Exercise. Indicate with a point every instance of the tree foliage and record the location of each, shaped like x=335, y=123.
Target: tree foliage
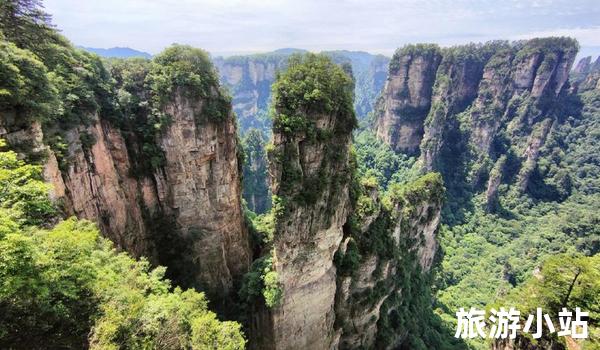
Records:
x=312, y=85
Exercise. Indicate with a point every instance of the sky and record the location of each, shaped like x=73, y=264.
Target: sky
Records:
x=225, y=27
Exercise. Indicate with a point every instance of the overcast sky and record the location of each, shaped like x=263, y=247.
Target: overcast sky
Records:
x=242, y=26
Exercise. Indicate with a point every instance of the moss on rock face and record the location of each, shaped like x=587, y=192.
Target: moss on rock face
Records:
x=144, y=89
x=427, y=51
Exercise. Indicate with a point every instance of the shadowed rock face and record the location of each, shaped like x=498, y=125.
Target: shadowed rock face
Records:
x=367, y=296
x=186, y=214
x=498, y=97
x=586, y=75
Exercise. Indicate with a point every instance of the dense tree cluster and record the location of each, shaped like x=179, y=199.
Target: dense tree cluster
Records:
x=312, y=85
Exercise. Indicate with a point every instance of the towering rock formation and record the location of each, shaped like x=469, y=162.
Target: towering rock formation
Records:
x=249, y=80
x=169, y=192
x=342, y=257
x=406, y=97
x=498, y=97
x=455, y=88
x=310, y=174
x=584, y=67
x=585, y=74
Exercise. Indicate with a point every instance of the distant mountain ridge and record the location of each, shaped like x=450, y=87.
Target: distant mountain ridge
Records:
x=118, y=52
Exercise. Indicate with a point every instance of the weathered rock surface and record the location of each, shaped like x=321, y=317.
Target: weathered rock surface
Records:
x=456, y=86
x=496, y=98
x=186, y=215
x=249, y=79
x=368, y=295
x=406, y=97
x=308, y=237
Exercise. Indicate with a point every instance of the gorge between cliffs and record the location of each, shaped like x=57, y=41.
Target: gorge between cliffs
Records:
x=352, y=217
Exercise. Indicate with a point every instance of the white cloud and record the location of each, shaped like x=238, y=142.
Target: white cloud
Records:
x=261, y=25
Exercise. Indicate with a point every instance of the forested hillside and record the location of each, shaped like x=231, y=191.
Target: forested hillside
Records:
x=516, y=145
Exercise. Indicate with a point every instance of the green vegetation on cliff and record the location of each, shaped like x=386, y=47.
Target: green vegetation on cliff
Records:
x=66, y=287
x=182, y=69
x=488, y=254
x=50, y=81
x=312, y=85
x=256, y=191
x=406, y=316
x=312, y=88
x=519, y=161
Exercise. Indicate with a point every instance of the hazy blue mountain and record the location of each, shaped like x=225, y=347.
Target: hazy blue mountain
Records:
x=288, y=51
x=118, y=52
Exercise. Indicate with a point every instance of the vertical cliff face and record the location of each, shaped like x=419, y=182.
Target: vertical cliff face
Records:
x=496, y=99
x=585, y=75
x=515, y=103
x=455, y=88
x=199, y=187
x=162, y=181
x=386, y=244
x=406, y=98
x=584, y=67
x=249, y=80
x=310, y=175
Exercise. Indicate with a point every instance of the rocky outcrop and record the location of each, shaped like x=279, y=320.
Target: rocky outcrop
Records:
x=386, y=247
x=342, y=256
x=586, y=75
x=480, y=103
x=199, y=186
x=308, y=235
x=249, y=79
x=310, y=176
x=584, y=67
x=406, y=98
x=455, y=88
x=185, y=214
x=513, y=109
